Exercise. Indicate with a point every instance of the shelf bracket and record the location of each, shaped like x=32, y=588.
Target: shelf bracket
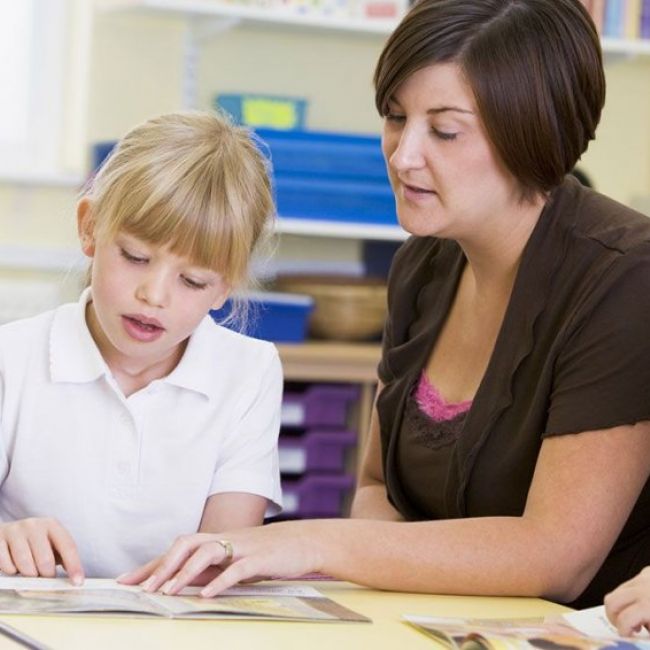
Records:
x=197, y=31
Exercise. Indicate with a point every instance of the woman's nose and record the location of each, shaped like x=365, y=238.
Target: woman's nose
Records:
x=407, y=153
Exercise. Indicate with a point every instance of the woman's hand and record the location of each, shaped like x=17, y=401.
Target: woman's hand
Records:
x=33, y=547
x=628, y=606
x=286, y=550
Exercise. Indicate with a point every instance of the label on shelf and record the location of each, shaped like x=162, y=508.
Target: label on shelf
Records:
x=293, y=461
x=292, y=414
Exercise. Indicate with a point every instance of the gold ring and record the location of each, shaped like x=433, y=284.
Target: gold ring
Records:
x=227, y=549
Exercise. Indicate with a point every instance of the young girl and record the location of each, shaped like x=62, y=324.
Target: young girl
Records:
x=131, y=418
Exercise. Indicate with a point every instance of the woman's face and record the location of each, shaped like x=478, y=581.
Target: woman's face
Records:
x=447, y=179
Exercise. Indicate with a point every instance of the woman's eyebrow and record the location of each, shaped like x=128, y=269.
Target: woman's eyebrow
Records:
x=444, y=109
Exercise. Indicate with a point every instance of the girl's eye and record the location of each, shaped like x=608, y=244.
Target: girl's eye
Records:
x=194, y=284
x=443, y=135
x=136, y=259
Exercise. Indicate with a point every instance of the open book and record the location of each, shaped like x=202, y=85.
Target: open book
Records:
x=582, y=630
x=98, y=596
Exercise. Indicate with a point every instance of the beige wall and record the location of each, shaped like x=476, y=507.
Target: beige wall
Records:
x=136, y=71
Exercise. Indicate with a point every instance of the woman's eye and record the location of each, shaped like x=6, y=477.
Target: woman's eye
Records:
x=194, y=284
x=444, y=135
x=394, y=117
x=129, y=257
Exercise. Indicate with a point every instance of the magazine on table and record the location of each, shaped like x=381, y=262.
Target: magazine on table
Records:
x=580, y=630
x=21, y=595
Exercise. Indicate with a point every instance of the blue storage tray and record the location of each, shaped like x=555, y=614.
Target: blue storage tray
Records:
x=277, y=317
x=325, y=155
x=335, y=200
x=100, y=151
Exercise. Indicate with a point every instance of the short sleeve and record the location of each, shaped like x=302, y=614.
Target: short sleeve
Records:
x=4, y=460
x=249, y=457
x=602, y=375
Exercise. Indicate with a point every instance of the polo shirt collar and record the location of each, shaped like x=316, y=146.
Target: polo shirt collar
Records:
x=74, y=355
x=195, y=370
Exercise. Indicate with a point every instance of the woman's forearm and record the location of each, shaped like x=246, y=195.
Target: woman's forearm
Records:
x=481, y=556
x=371, y=502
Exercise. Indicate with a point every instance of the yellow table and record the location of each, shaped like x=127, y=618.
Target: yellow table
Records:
x=384, y=608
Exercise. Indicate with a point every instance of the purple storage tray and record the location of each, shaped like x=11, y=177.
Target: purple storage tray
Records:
x=316, y=495
x=320, y=405
x=321, y=451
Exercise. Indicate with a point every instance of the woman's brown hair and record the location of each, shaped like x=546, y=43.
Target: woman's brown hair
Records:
x=534, y=66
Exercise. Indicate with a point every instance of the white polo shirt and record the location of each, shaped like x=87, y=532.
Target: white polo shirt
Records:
x=126, y=476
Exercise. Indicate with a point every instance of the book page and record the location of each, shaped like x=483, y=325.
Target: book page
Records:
x=287, y=602
x=275, y=601
x=515, y=634
x=594, y=622
x=79, y=600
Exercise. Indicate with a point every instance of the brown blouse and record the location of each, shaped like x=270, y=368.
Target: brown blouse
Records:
x=573, y=354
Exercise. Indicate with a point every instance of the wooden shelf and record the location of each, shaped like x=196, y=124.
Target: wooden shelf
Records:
x=330, y=361
x=337, y=362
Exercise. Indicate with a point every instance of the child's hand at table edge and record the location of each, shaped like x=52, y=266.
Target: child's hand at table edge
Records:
x=33, y=547
x=628, y=606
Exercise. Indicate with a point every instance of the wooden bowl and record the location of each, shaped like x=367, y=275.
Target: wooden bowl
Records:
x=345, y=308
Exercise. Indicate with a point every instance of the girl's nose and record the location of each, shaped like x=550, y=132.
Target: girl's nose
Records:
x=154, y=290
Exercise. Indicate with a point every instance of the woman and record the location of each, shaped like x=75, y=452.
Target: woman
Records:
x=513, y=387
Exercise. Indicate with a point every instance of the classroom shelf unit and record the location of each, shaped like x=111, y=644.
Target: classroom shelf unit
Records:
x=325, y=361
x=229, y=15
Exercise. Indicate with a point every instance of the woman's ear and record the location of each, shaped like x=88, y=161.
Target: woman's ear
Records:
x=86, y=227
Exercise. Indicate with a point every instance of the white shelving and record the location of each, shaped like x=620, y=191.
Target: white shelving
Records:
x=344, y=229
x=28, y=179
x=233, y=14
x=241, y=14
x=626, y=47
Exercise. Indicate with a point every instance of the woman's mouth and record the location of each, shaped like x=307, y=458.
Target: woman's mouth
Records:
x=413, y=192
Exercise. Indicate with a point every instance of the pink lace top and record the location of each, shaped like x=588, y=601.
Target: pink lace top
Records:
x=434, y=405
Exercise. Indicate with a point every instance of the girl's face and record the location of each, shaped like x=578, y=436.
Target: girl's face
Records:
x=146, y=301
x=447, y=180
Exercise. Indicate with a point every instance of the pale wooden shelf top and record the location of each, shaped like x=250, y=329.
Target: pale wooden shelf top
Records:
x=330, y=361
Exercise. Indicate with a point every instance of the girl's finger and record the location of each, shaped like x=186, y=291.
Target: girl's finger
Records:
x=21, y=555
x=43, y=555
x=63, y=544
x=6, y=564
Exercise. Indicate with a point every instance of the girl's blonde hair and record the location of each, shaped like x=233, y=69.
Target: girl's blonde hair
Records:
x=192, y=181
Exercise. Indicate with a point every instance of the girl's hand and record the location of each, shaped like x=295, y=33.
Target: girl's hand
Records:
x=284, y=550
x=33, y=547
x=628, y=606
